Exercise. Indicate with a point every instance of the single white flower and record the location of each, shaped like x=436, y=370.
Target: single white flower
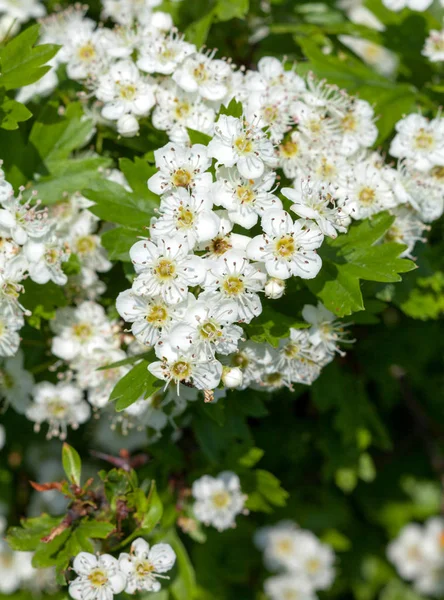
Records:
x=45, y=258
x=99, y=578
x=383, y=60
x=287, y=248
x=145, y=565
x=166, y=268
x=163, y=54
x=288, y=586
x=420, y=140
x=218, y=500
x=326, y=332
x=10, y=324
x=434, y=46
x=406, y=552
x=243, y=144
x=204, y=74
x=60, y=406
x=180, y=167
x=397, y=5
x=16, y=383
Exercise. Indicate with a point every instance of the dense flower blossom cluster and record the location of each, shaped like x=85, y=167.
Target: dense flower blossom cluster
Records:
x=218, y=500
x=418, y=555
x=304, y=563
x=101, y=577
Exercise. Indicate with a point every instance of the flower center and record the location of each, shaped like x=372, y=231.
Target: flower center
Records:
x=220, y=245
x=182, y=110
x=82, y=330
x=221, y=499
x=326, y=169
x=57, y=408
x=98, y=578
x=367, y=196
x=291, y=350
x=144, y=568
x=349, y=122
x=128, y=91
x=424, y=140
x=165, y=269
x=273, y=378
x=157, y=315
x=270, y=113
x=233, y=285
x=86, y=244
x=182, y=178
x=438, y=173
x=245, y=194
x=289, y=149
x=87, y=52
x=181, y=370
x=11, y=289
x=210, y=331
x=51, y=256
x=200, y=73
x=243, y=145
x=285, y=246
x=185, y=217
x=240, y=360
x=284, y=547
x=313, y=565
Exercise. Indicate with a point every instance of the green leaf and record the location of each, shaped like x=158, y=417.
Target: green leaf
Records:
x=138, y=383
x=113, y=203
x=350, y=258
x=55, y=136
x=197, y=32
x=137, y=174
x=155, y=510
x=252, y=457
x=234, y=109
x=197, y=137
x=72, y=465
x=231, y=9
x=21, y=63
x=12, y=113
x=271, y=326
x=118, y=241
x=95, y=529
x=129, y=361
x=27, y=537
x=69, y=176
x=267, y=492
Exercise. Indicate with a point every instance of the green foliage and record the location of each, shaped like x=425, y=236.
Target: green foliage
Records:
x=356, y=256
x=71, y=464
x=135, y=385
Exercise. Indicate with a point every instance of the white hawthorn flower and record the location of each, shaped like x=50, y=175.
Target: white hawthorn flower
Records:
x=368, y=191
x=208, y=327
x=205, y=75
x=144, y=565
x=87, y=244
x=271, y=74
x=326, y=332
x=99, y=578
x=180, y=167
x=150, y=316
x=315, y=560
x=319, y=204
x=244, y=199
x=289, y=586
x=22, y=10
x=163, y=54
x=357, y=127
x=124, y=92
x=279, y=544
x=243, y=144
x=166, y=268
x=383, y=60
x=45, y=258
x=60, y=406
x=232, y=277
x=187, y=213
x=287, y=248
x=178, y=365
x=85, y=51
x=81, y=330
x=20, y=221
x=406, y=552
x=397, y=5
x=218, y=500
x=420, y=140
x=434, y=46
x=406, y=229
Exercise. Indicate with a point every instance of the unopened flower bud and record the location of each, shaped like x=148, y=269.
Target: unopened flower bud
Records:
x=127, y=125
x=232, y=377
x=274, y=288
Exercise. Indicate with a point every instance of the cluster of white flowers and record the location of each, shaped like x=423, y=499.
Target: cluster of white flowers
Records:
x=29, y=247
x=101, y=577
x=17, y=572
x=434, y=46
x=305, y=563
x=13, y=13
x=218, y=500
x=418, y=555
